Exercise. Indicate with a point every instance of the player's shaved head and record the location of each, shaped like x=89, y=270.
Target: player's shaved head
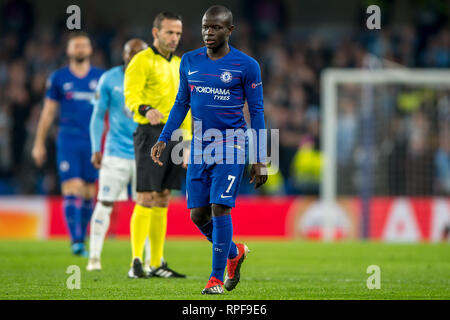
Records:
x=217, y=26
x=135, y=45
x=221, y=13
x=132, y=47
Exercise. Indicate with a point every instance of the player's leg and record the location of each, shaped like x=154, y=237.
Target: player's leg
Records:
x=89, y=174
x=221, y=238
x=69, y=170
x=72, y=190
x=87, y=207
x=115, y=173
x=202, y=218
x=225, y=179
x=198, y=185
x=99, y=227
x=147, y=256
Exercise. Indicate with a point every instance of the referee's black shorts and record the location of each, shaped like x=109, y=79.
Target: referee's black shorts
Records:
x=151, y=176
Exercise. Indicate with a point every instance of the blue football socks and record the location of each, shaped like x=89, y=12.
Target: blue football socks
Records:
x=222, y=234
x=87, y=207
x=72, y=213
x=207, y=231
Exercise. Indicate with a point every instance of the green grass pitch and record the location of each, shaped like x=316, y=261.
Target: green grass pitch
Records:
x=274, y=270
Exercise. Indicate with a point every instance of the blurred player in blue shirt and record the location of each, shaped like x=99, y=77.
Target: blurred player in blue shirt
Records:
x=117, y=166
x=72, y=89
x=215, y=82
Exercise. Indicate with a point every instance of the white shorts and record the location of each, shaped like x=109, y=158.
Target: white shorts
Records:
x=115, y=175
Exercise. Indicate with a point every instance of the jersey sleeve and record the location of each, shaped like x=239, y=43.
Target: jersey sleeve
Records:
x=53, y=88
x=254, y=95
x=136, y=75
x=101, y=105
x=180, y=108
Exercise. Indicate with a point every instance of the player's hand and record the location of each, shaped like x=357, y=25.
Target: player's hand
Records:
x=154, y=116
x=186, y=154
x=96, y=160
x=258, y=174
x=39, y=154
x=156, y=151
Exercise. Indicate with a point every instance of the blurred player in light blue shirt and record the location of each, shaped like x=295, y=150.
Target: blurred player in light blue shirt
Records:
x=117, y=165
x=119, y=140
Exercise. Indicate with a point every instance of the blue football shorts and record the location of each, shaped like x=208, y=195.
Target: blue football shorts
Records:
x=74, y=159
x=210, y=182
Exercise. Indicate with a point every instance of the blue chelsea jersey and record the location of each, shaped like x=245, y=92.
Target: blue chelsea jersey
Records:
x=110, y=97
x=75, y=97
x=216, y=91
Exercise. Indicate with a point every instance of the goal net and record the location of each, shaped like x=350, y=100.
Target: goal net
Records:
x=385, y=133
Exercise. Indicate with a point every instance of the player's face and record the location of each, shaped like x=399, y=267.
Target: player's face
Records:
x=79, y=49
x=215, y=31
x=169, y=34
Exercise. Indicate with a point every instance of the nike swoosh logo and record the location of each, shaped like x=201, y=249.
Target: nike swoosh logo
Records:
x=222, y=196
x=189, y=72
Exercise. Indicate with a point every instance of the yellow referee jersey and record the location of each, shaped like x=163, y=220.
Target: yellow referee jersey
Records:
x=151, y=79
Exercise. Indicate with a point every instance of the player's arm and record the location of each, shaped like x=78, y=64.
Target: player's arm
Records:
x=46, y=119
x=255, y=100
x=176, y=116
x=96, y=126
x=136, y=75
x=51, y=104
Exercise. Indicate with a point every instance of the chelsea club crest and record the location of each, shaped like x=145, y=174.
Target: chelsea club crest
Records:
x=226, y=76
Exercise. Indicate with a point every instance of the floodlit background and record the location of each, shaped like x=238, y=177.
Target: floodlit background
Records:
x=402, y=196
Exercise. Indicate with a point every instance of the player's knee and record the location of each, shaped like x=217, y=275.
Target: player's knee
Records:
x=73, y=187
x=199, y=216
x=144, y=199
x=89, y=191
x=219, y=210
x=195, y=217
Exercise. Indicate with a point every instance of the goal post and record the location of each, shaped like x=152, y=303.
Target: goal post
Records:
x=370, y=84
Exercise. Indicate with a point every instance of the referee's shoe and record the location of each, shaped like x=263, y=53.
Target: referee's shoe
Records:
x=137, y=271
x=164, y=271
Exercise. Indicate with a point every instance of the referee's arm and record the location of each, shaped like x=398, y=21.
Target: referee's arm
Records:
x=136, y=75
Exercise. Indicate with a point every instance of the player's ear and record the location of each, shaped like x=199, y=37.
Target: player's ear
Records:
x=230, y=29
x=68, y=48
x=155, y=32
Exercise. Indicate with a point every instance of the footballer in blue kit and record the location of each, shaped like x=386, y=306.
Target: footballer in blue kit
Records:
x=72, y=90
x=215, y=82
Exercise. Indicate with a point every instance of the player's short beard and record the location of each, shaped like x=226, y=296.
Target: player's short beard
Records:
x=79, y=59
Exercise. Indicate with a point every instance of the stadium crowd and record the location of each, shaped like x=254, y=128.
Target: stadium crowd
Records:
x=291, y=64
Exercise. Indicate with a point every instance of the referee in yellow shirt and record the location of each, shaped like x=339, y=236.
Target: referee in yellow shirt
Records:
x=150, y=88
